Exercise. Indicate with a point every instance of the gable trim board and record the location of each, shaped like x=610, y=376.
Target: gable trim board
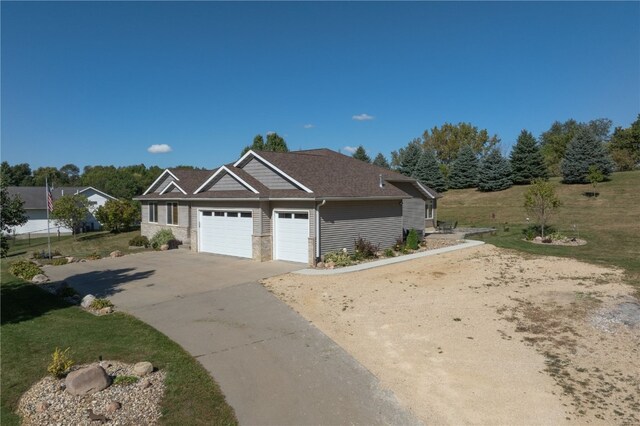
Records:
x=276, y=169
x=235, y=176
x=175, y=186
x=155, y=182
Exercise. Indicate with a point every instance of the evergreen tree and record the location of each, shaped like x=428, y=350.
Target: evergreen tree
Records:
x=527, y=162
x=428, y=172
x=494, y=173
x=585, y=150
x=464, y=169
x=275, y=143
x=381, y=161
x=409, y=157
x=361, y=154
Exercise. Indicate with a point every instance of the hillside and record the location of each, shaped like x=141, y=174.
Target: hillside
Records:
x=610, y=222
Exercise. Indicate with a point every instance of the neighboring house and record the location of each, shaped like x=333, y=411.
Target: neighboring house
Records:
x=292, y=206
x=35, y=203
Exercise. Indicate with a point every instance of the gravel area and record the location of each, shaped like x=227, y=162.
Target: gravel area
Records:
x=47, y=403
x=609, y=318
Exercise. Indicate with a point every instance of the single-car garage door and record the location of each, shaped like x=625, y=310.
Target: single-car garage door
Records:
x=292, y=236
x=226, y=232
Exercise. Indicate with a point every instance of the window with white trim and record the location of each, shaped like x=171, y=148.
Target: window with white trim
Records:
x=172, y=213
x=153, y=212
x=428, y=209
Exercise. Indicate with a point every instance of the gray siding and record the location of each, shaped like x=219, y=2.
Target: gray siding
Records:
x=413, y=212
x=162, y=185
x=342, y=222
x=227, y=183
x=266, y=176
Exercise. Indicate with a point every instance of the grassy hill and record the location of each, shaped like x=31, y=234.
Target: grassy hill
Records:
x=610, y=222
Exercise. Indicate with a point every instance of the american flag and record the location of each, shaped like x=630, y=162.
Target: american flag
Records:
x=49, y=200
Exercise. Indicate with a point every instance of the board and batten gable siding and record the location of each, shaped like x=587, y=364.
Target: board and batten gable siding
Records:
x=226, y=183
x=342, y=222
x=266, y=176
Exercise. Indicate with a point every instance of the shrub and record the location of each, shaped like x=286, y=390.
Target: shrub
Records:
x=94, y=256
x=139, y=241
x=389, y=253
x=557, y=236
x=125, y=380
x=399, y=244
x=162, y=237
x=365, y=249
x=529, y=233
x=412, y=240
x=44, y=255
x=339, y=258
x=59, y=261
x=101, y=303
x=24, y=269
x=61, y=362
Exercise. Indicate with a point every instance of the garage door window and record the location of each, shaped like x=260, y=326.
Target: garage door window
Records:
x=172, y=213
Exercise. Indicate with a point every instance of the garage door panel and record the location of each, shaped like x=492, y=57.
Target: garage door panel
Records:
x=292, y=236
x=226, y=233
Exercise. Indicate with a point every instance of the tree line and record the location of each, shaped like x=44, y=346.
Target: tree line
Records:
x=463, y=156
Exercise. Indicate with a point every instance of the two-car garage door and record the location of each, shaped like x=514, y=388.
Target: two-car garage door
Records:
x=230, y=232
x=226, y=232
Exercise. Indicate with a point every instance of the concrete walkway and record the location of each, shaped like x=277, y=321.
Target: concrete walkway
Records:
x=274, y=367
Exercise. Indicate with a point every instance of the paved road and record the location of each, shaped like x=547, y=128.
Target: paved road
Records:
x=274, y=367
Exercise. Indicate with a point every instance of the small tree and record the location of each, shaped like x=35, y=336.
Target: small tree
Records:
x=13, y=214
x=494, y=173
x=464, y=169
x=595, y=176
x=527, y=162
x=585, y=150
x=381, y=161
x=118, y=215
x=541, y=202
x=428, y=171
x=71, y=211
x=361, y=154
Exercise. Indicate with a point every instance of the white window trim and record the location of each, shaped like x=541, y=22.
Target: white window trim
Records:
x=235, y=176
x=149, y=214
x=167, y=217
x=158, y=180
x=166, y=189
x=427, y=210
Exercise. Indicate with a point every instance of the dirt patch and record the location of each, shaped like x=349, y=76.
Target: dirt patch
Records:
x=485, y=335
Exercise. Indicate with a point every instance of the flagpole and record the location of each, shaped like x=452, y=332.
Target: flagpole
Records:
x=46, y=180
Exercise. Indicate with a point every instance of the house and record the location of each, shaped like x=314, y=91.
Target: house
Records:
x=292, y=206
x=35, y=204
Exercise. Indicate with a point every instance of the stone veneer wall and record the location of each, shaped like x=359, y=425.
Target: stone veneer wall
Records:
x=180, y=232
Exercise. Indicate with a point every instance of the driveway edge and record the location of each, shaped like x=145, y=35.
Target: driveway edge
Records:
x=389, y=261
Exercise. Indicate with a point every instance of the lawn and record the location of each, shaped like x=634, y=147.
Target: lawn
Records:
x=82, y=245
x=610, y=222
x=34, y=322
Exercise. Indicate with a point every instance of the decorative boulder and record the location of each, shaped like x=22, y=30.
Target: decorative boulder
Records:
x=39, y=279
x=87, y=380
x=106, y=310
x=164, y=247
x=87, y=301
x=143, y=368
x=116, y=253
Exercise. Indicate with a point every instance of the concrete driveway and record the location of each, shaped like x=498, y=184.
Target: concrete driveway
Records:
x=274, y=367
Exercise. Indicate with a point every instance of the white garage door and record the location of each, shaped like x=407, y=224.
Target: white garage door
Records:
x=226, y=232
x=292, y=236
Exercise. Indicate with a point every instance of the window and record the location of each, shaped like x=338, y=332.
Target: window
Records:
x=428, y=209
x=302, y=215
x=284, y=215
x=218, y=214
x=153, y=212
x=172, y=213
x=232, y=214
x=206, y=213
x=245, y=214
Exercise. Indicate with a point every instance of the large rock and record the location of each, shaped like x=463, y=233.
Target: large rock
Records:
x=87, y=380
x=87, y=301
x=143, y=368
x=116, y=253
x=39, y=279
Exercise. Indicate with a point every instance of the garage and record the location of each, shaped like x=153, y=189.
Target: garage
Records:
x=292, y=236
x=226, y=232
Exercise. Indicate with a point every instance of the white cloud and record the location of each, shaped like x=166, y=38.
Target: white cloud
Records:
x=349, y=149
x=159, y=148
x=308, y=126
x=270, y=132
x=362, y=117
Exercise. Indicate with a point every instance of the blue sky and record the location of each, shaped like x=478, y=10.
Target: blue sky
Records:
x=101, y=82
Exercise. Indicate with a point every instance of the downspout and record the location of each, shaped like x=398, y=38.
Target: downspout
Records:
x=318, y=229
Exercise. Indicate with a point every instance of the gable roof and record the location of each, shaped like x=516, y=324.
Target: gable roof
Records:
x=319, y=173
x=34, y=197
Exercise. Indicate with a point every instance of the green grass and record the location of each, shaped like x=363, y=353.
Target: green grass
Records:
x=34, y=323
x=83, y=245
x=610, y=222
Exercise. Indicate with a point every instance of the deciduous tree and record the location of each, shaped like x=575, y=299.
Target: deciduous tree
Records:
x=118, y=215
x=12, y=214
x=541, y=202
x=447, y=140
x=527, y=162
x=625, y=146
x=71, y=211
